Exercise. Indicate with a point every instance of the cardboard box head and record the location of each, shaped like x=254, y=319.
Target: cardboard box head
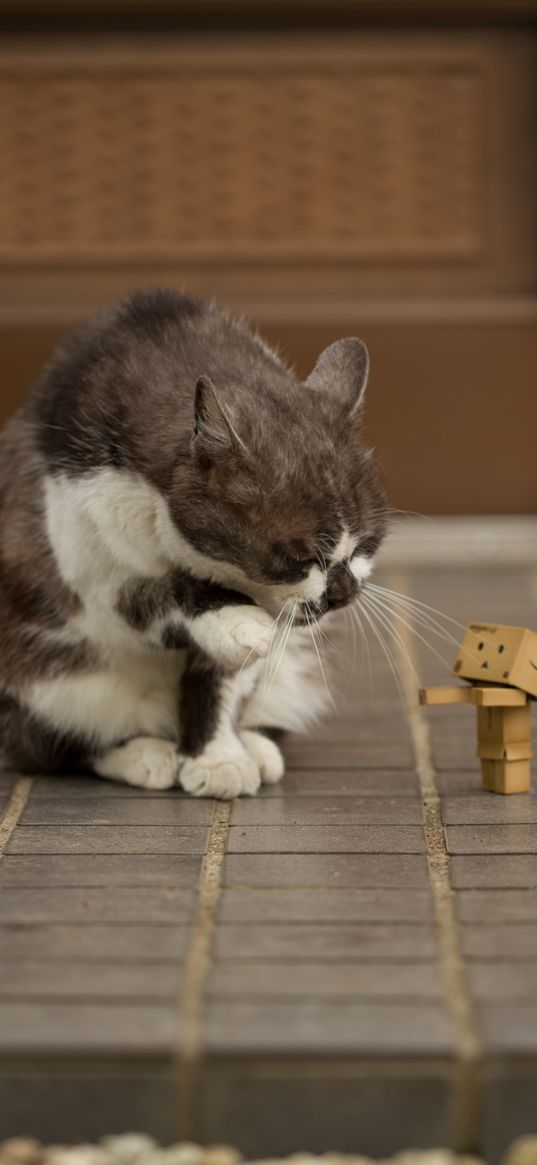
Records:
x=495, y=654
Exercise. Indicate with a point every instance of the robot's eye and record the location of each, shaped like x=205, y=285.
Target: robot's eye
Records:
x=501, y=648
x=480, y=646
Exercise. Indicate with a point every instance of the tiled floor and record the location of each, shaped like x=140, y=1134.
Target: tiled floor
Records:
x=348, y=961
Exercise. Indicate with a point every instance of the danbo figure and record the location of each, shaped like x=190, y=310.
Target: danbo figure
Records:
x=504, y=662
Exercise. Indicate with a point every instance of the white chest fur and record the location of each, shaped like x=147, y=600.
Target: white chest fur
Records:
x=103, y=531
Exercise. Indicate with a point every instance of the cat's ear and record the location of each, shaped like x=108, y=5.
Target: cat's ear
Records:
x=214, y=435
x=341, y=374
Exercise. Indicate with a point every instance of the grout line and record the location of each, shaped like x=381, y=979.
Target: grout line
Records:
x=458, y=992
x=196, y=969
x=16, y=806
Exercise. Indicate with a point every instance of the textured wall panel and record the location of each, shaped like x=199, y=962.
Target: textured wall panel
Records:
x=357, y=160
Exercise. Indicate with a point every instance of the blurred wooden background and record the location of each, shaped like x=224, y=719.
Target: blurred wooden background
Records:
x=328, y=169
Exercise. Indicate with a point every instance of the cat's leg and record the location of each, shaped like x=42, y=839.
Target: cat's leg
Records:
x=232, y=636
x=124, y=717
x=291, y=699
x=179, y=611
x=219, y=763
x=29, y=745
x=144, y=761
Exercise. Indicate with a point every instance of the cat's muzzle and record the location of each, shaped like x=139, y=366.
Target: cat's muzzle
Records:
x=343, y=588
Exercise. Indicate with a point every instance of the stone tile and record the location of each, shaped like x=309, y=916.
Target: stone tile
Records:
x=343, y=782
x=107, y=839
x=363, y=719
x=490, y=809
x=363, y=870
x=96, y=904
x=497, y=871
x=393, y=979
x=327, y=810
x=497, y=906
x=50, y=1028
x=39, y=979
x=152, y=811
x=97, y=942
x=510, y=941
x=319, y=1106
x=326, y=906
x=492, y=839
x=376, y=940
x=307, y=1027
x=361, y=727
x=100, y=870
x=319, y=839
x=451, y=755
x=377, y=754
x=504, y=980
x=459, y=782
x=83, y=785
x=510, y=1028
x=71, y=1104
x=454, y=742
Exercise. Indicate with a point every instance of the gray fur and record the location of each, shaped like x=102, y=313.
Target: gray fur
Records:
x=258, y=470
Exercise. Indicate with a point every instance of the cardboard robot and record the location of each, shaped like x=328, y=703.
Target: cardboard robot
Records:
x=501, y=664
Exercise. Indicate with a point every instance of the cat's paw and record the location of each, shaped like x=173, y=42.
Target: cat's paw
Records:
x=144, y=761
x=266, y=754
x=221, y=771
x=235, y=635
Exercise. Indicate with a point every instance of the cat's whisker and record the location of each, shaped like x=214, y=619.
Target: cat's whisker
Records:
x=281, y=646
x=314, y=641
x=384, y=619
x=322, y=561
x=386, y=650
x=254, y=648
x=348, y=617
x=320, y=630
x=380, y=605
x=417, y=603
x=275, y=642
x=398, y=602
x=355, y=617
x=423, y=609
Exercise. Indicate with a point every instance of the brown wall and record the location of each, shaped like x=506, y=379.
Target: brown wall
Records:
x=336, y=174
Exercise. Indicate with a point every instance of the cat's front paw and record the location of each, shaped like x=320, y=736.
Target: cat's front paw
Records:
x=145, y=761
x=235, y=635
x=220, y=771
x=266, y=754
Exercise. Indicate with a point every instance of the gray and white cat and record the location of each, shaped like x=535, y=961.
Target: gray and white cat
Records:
x=168, y=490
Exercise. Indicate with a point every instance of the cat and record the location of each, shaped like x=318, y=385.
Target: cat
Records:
x=174, y=502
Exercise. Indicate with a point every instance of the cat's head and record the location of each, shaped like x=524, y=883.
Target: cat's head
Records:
x=282, y=494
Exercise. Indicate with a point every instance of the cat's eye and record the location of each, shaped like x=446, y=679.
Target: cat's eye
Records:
x=305, y=563
x=368, y=545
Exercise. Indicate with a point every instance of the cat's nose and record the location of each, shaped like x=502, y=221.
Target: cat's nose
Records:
x=341, y=588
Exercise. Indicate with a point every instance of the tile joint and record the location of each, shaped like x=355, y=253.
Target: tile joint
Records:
x=457, y=989
x=196, y=969
x=14, y=811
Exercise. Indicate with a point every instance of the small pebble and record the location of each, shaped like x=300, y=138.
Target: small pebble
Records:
x=20, y=1151
x=522, y=1152
x=128, y=1146
x=221, y=1155
x=75, y=1155
x=138, y=1149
